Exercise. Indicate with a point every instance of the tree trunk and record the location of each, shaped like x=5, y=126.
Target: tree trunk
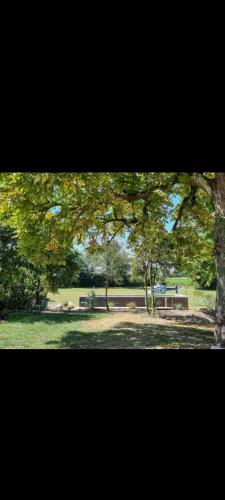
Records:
x=106, y=296
x=106, y=278
x=219, y=248
x=146, y=291
x=152, y=278
x=37, y=293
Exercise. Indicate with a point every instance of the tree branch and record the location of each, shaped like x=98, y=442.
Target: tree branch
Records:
x=187, y=201
x=132, y=196
x=202, y=182
x=120, y=219
x=144, y=195
x=115, y=233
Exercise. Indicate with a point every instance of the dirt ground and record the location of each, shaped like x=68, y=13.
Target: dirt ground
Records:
x=192, y=318
x=168, y=316
x=189, y=316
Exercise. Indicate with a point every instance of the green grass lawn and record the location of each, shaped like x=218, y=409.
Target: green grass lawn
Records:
x=197, y=298
x=99, y=331
x=38, y=331
x=105, y=330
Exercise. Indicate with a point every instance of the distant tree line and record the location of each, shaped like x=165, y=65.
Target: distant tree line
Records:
x=23, y=284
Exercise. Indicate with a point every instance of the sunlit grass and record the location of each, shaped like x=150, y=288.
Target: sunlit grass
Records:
x=73, y=294
x=100, y=331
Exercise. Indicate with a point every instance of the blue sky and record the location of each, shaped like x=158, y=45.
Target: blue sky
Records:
x=175, y=201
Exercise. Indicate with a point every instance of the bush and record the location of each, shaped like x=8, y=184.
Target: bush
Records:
x=92, y=300
x=69, y=304
x=131, y=305
x=178, y=306
x=110, y=303
x=17, y=290
x=203, y=274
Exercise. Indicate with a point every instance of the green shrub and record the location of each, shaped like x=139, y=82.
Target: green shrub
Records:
x=178, y=306
x=92, y=300
x=204, y=275
x=18, y=289
x=110, y=303
x=69, y=304
x=131, y=305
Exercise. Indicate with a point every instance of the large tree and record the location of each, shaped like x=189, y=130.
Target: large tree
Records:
x=113, y=263
x=23, y=282
x=50, y=210
x=153, y=251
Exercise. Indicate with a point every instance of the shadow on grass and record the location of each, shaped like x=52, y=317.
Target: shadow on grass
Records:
x=56, y=318
x=188, y=319
x=136, y=336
